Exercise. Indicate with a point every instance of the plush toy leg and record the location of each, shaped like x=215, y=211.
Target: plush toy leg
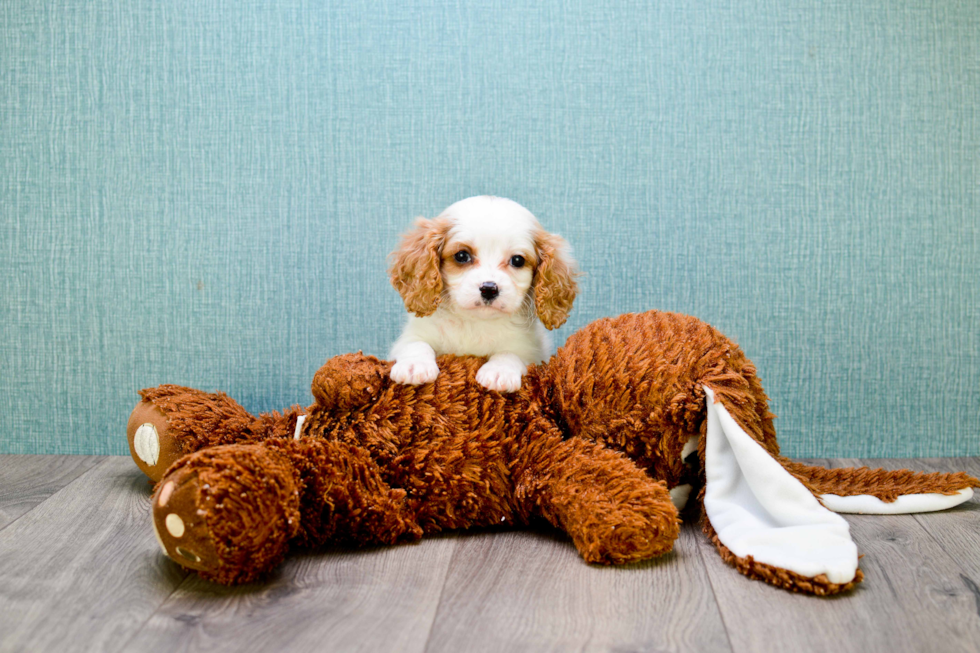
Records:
x=230, y=512
x=884, y=492
x=172, y=421
x=613, y=511
x=344, y=498
x=764, y=520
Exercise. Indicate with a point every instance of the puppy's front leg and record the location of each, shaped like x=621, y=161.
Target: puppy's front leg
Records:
x=502, y=372
x=415, y=363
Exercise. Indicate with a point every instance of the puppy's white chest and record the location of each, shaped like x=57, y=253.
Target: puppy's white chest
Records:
x=478, y=337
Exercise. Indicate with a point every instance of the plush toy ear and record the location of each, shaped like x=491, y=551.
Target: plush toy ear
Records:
x=771, y=518
x=554, y=279
x=414, y=271
x=349, y=381
x=763, y=514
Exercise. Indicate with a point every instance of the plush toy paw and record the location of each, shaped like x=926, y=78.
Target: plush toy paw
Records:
x=151, y=442
x=620, y=545
x=179, y=524
x=414, y=372
x=348, y=381
x=646, y=527
x=227, y=512
x=501, y=376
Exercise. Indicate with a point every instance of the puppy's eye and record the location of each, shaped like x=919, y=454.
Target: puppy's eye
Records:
x=517, y=261
x=462, y=256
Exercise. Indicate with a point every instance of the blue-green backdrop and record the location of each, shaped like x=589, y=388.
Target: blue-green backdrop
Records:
x=205, y=193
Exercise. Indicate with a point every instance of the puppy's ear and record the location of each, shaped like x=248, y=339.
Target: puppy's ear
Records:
x=554, y=279
x=415, y=265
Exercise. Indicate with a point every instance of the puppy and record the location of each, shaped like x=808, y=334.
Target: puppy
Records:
x=482, y=278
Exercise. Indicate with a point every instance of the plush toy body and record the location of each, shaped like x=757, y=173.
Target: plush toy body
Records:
x=601, y=442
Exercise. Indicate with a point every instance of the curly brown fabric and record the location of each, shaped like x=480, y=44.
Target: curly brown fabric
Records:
x=591, y=443
x=884, y=484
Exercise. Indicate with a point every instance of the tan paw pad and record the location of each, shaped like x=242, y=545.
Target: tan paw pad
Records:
x=175, y=525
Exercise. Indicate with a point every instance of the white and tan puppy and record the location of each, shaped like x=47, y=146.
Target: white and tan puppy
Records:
x=482, y=278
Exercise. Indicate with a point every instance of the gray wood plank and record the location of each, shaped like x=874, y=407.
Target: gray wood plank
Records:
x=530, y=591
x=26, y=481
x=83, y=571
x=956, y=530
x=911, y=599
x=373, y=600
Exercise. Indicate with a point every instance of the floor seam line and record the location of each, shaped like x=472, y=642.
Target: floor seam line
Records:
x=442, y=592
x=156, y=610
x=58, y=491
x=701, y=544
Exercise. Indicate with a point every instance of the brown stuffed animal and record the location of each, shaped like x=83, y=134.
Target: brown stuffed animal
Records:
x=600, y=441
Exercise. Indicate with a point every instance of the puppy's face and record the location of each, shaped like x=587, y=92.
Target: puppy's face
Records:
x=489, y=258
x=485, y=256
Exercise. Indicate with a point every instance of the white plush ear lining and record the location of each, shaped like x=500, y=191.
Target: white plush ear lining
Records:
x=865, y=504
x=759, y=509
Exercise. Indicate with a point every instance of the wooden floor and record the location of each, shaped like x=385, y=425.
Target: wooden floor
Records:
x=80, y=570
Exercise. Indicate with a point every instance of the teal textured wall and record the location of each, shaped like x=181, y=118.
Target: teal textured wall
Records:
x=204, y=193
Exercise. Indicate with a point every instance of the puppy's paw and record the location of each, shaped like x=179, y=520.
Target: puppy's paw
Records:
x=502, y=377
x=414, y=372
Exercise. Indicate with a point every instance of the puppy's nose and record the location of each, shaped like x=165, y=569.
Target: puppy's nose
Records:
x=489, y=291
